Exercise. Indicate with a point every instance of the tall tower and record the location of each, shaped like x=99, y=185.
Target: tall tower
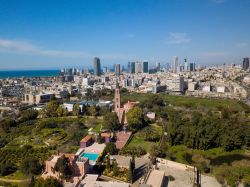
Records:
x=117, y=97
x=117, y=70
x=145, y=67
x=175, y=64
x=97, y=66
x=245, y=63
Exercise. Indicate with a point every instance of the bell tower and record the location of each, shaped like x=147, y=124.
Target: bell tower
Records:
x=117, y=97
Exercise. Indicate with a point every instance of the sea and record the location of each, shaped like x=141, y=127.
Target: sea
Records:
x=28, y=73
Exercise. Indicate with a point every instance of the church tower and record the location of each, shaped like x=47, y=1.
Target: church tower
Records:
x=117, y=97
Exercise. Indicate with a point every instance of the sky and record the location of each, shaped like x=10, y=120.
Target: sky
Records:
x=51, y=34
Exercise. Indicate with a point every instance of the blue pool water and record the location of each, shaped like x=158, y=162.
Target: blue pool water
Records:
x=90, y=156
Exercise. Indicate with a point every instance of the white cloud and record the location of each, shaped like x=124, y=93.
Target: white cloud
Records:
x=178, y=38
x=241, y=45
x=18, y=46
x=25, y=47
x=213, y=54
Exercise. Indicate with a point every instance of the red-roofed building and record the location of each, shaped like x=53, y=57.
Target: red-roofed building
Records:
x=107, y=137
x=121, y=111
x=86, y=141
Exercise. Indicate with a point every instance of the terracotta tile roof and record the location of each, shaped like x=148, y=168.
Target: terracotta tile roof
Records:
x=105, y=134
x=122, y=139
x=86, y=138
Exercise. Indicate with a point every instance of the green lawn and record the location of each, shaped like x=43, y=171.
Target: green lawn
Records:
x=97, y=128
x=190, y=102
x=137, y=139
x=18, y=175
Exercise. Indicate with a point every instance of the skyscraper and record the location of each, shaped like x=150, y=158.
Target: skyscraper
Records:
x=245, y=65
x=158, y=66
x=132, y=67
x=192, y=66
x=185, y=65
x=145, y=67
x=97, y=66
x=117, y=69
x=175, y=64
x=105, y=69
x=138, y=67
x=129, y=67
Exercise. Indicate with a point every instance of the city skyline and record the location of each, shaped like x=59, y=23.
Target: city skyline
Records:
x=45, y=35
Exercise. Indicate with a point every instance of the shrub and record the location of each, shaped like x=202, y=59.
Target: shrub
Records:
x=7, y=168
x=133, y=150
x=31, y=166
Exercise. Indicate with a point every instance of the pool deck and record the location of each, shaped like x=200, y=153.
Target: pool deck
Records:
x=94, y=148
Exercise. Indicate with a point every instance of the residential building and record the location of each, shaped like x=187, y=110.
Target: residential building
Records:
x=38, y=98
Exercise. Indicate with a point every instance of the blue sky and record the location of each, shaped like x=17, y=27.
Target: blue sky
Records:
x=49, y=34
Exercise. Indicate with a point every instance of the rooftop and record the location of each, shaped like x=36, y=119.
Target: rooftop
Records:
x=156, y=174
x=86, y=138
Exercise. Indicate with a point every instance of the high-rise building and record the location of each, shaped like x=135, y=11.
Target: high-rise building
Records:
x=129, y=67
x=245, y=65
x=138, y=67
x=117, y=69
x=86, y=71
x=192, y=66
x=145, y=67
x=105, y=69
x=185, y=65
x=132, y=67
x=97, y=66
x=158, y=66
x=175, y=64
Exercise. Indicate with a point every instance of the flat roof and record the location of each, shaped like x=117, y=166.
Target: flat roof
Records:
x=156, y=174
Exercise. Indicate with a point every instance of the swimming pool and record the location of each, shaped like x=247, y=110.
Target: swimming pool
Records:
x=90, y=156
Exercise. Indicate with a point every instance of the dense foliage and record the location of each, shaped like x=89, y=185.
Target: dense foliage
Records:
x=48, y=182
x=111, y=122
x=135, y=119
x=63, y=167
x=133, y=150
x=110, y=148
x=31, y=166
x=206, y=132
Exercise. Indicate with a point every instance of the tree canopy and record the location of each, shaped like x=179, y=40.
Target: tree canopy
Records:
x=206, y=132
x=31, y=166
x=135, y=118
x=63, y=167
x=111, y=122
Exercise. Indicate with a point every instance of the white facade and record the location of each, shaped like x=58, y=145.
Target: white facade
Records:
x=175, y=64
x=85, y=81
x=206, y=88
x=138, y=67
x=220, y=89
x=192, y=86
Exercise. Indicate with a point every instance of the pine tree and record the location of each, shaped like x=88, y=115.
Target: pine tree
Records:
x=115, y=168
x=108, y=164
